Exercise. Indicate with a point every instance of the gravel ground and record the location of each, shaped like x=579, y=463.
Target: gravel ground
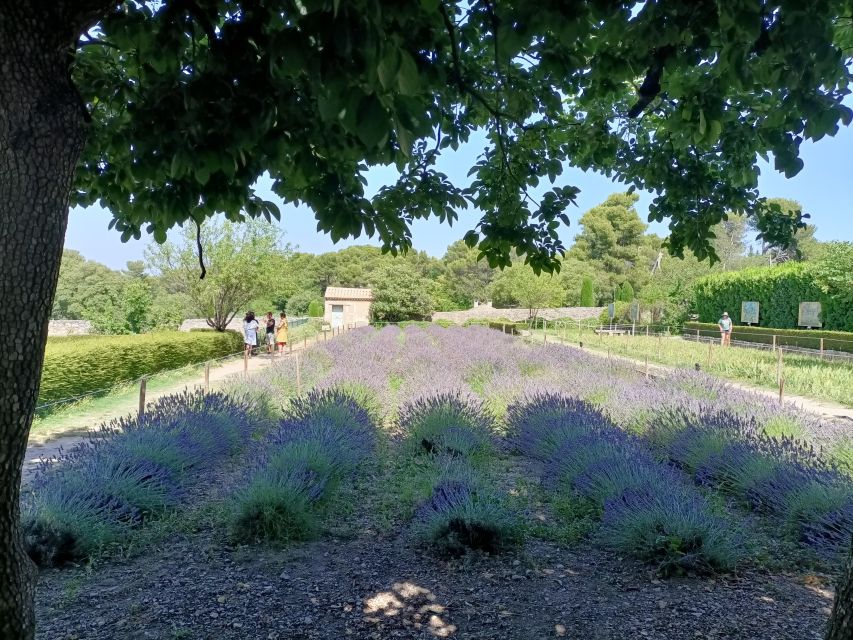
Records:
x=381, y=587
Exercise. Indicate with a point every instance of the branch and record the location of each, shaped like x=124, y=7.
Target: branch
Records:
x=88, y=42
x=464, y=87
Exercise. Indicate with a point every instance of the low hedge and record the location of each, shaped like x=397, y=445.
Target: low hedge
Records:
x=803, y=338
x=510, y=327
x=74, y=367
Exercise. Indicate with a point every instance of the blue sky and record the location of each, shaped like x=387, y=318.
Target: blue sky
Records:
x=824, y=188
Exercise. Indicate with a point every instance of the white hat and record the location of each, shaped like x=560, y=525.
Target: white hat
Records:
x=725, y=313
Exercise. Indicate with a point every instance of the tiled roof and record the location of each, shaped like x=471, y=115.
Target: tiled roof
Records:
x=347, y=293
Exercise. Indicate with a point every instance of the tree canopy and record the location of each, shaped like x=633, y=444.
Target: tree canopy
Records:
x=193, y=101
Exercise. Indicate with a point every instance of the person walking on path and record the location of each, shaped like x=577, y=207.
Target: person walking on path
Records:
x=270, y=334
x=281, y=333
x=725, y=330
x=250, y=332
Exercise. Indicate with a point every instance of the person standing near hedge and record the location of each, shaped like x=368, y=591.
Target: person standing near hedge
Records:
x=281, y=333
x=250, y=332
x=270, y=335
x=725, y=329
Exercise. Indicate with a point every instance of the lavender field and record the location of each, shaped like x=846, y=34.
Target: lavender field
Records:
x=422, y=477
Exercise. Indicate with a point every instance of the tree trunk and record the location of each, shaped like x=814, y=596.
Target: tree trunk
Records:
x=841, y=621
x=42, y=131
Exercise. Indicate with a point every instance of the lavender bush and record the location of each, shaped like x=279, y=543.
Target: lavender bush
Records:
x=648, y=510
x=780, y=477
x=446, y=424
x=131, y=471
x=322, y=440
x=465, y=513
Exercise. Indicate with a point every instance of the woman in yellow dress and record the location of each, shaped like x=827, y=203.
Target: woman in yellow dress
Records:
x=281, y=333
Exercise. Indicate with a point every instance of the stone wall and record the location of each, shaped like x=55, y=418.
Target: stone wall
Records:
x=487, y=312
x=69, y=328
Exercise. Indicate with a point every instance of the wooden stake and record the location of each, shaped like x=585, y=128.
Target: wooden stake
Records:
x=647, y=367
x=774, y=344
x=781, y=389
x=821, y=348
x=142, y=384
x=246, y=362
x=779, y=366
x=207, y=376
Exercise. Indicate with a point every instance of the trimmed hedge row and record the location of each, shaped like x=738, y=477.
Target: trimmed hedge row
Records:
x=74, y=367
x=803, y=338
x=779, y=290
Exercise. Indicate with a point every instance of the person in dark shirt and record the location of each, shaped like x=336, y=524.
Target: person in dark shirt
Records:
x=270, y=336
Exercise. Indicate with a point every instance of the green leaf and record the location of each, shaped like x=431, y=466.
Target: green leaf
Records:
x=408, y=78
x=372, y=122
x=702, y=123
x=388, y=67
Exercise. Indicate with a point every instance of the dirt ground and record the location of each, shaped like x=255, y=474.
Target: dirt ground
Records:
x=382, y=587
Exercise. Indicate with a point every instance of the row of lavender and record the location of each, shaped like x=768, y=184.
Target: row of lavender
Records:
x=132, y=471
x=686, y=423
x=453, y=437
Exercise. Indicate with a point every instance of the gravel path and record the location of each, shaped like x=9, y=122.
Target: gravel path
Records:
x=373, y=587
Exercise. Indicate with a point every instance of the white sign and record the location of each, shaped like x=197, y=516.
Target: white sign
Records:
x=749, y=312
x=810, y=315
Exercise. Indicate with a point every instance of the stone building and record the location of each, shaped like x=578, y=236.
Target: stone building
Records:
x=347, y=307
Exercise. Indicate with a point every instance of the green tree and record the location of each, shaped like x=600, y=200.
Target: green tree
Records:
x=300, y=301
x=237, y=262
x=315, y=309
x=468, y=277
x=729, y=241
x=613, y=241
x=400, y=293
x=520, y=286
x=587, y=298
x=625, y=292
x=168, y=112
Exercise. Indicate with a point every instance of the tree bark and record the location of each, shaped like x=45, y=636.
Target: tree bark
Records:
x=42, y=131
x=841, y=621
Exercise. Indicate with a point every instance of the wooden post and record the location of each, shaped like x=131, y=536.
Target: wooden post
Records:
x=821, y=348
x=324, y=335
x=697, y=335
x=781, y=389
x=779, y=367
x=545, y=329
x=298, y=376
x=774, y=344
x=647, y=331
x=207, y=376
x=246, y=362
x=647, y=367
x=142, y=384
x=503, y=327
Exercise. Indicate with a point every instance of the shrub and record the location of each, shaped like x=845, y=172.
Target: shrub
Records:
x=778, y=477
x=134, y=470
x=647, y=508
x=538, y=424
x=446, y=424
x=322, y=440
x=464, y=513
x=74, y=367
x=315, y=309
x=676, y=532
x=802, y=338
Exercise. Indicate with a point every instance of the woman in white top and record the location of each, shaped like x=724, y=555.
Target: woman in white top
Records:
x=250, y=332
